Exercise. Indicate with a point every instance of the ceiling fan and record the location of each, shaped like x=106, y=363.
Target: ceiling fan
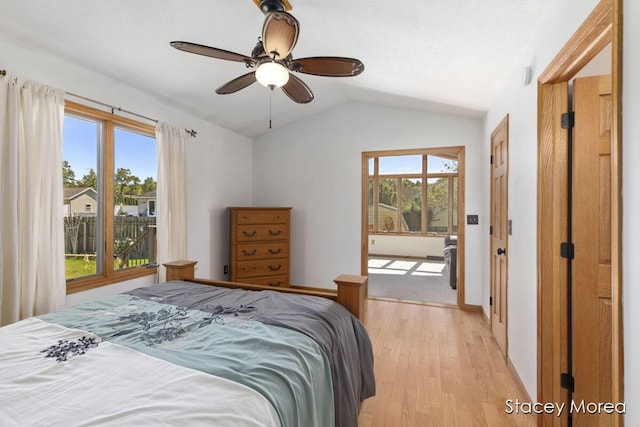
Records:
x=271, y=58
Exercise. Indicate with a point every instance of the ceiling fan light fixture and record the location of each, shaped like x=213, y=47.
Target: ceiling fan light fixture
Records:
x=272, y=74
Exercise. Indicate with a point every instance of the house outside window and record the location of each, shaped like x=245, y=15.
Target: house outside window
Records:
x=108, y=162
x=413, y=194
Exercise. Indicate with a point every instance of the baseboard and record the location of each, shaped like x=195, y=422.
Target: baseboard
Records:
x=472, y=307
x=422, y=258
x=518, y=381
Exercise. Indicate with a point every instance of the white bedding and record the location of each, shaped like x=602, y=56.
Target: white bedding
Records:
x=111, y=385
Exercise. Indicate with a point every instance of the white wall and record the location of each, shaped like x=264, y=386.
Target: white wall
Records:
x=314, y=166
x=413, y=246
x=631, y=206
x=219, y=161
x=520, y=102
x=105, y=291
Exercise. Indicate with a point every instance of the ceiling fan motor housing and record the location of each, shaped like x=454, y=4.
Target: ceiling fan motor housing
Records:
x=268, y=6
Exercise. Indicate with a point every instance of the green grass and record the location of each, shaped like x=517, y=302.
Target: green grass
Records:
x=81, y=266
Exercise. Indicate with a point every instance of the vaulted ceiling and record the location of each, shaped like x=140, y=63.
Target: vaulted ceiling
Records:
x=437, y=55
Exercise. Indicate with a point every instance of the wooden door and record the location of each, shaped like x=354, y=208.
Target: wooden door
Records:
x=499, y=232
x=591, y=229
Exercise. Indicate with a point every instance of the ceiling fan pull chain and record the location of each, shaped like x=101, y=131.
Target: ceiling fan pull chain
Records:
x=270, y=97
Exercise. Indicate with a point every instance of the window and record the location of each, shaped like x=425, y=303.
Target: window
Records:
x=415, y=193
x=109, y=174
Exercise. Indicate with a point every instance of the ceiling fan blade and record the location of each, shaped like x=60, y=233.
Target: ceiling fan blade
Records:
x=279, y=34
x=330, y=66
x=297, y=90
x=212, y=52
x=237, y=84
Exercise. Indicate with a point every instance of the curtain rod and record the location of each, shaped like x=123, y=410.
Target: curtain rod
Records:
x=191, y=132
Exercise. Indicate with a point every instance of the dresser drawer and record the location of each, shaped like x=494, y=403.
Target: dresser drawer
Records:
x=266, y=216
x=272, y=267
x=273, y=281
x=251, y=251
x=262, y=232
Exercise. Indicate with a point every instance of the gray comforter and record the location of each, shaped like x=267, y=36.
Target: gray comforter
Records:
x=341, y=336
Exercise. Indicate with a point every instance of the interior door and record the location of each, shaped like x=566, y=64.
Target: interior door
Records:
x=499, y=232
x=591, y=230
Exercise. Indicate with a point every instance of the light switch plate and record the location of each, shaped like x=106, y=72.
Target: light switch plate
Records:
x=472, y=219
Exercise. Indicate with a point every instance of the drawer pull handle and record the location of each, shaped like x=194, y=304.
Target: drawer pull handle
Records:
x=275, y=285
x=249, y=234
x=275, y=268
x=247, y=253
x=276, y=252
x=275, y=233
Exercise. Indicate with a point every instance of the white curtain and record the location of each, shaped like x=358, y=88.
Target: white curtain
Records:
x=171, y=196
x=32, y=269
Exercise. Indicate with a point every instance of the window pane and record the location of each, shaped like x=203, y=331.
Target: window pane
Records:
x=370, y=166
x=134, y=188
x=82, y=223
x=400, y=165
x=438, y=205
x=412, y=205
x=442, y=164
x=387, y=204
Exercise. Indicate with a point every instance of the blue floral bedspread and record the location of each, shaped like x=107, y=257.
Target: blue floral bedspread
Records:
x=340, y=335
x=289, y=368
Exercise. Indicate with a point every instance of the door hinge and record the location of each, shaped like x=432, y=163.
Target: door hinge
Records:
x=491, y=229
x=491, y=159
x=567, y=381
x=567, y=250
x=568, y=120
x=490, y=300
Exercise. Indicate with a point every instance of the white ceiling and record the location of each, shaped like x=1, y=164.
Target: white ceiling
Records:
x=442, y=55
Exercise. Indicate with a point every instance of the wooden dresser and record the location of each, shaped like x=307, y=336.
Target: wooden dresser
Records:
x=260, y=246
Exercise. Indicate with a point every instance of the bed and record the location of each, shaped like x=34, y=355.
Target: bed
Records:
x=190, y=352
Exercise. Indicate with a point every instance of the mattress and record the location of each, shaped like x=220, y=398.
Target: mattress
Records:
x=181, y=353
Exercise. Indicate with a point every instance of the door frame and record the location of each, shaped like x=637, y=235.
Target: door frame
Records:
x=364, y=246
x=602, y=26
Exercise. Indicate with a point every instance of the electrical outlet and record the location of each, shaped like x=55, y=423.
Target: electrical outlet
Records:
x=226, y=269
x=373, y=241
x=472, y=219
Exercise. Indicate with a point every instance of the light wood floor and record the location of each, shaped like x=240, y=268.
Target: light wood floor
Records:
x=436, y=367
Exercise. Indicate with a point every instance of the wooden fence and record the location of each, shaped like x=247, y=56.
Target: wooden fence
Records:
x=81, y=234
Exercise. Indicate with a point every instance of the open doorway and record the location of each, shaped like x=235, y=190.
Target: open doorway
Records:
x=412, y=227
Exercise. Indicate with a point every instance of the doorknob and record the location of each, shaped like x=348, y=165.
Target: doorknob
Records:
x=501, y=251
